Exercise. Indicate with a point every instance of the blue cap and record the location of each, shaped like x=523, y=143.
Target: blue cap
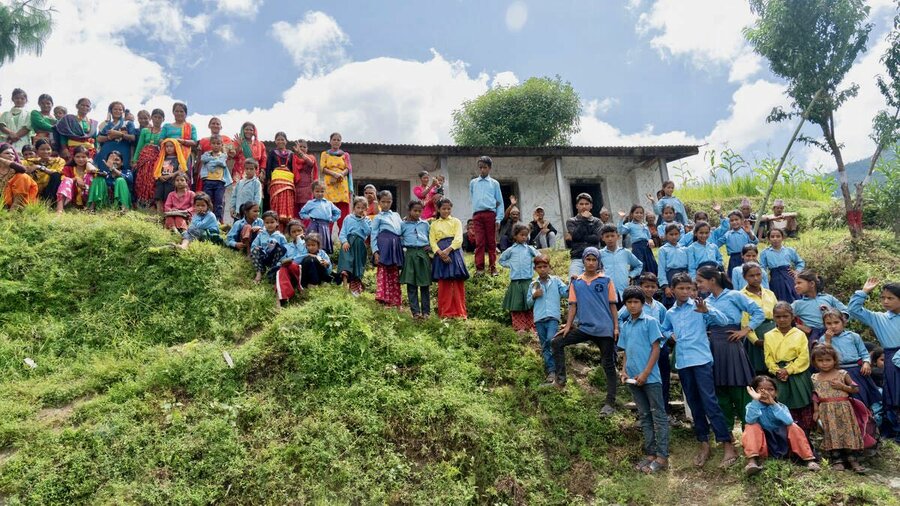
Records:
x=590, y=251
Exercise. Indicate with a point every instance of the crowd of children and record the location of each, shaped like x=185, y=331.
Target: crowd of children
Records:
x=752, y=336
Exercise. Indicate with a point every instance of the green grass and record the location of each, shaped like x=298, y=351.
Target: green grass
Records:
x=332, y=400
x=752, y=186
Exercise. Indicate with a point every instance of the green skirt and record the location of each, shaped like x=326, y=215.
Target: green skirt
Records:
x=121, y=193
x=757, y=354
x=98, y=193
x=353, y=261
x=516, y=295
x=416, y=267
x=796, y=392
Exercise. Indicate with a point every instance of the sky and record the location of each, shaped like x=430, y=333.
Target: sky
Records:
x=649, y=72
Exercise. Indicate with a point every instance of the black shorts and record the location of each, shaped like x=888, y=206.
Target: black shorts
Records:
x=163, y=189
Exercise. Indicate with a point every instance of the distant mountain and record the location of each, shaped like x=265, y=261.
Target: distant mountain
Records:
x=856, y=171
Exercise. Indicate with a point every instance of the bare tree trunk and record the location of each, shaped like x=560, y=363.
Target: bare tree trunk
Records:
x=787, y=150
x=854, y=217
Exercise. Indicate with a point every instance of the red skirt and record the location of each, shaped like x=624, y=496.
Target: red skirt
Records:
x=145, y=184
x=388, y=287
x=281, y=200
x=177, y=222
x=452, y=298
x=522, y=320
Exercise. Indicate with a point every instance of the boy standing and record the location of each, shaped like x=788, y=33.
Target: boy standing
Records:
x=618, y=263
x=582, y=231
x=487, y=209
x=248, y=189
x=592, y=296
x=640, y=337
x=544, y=296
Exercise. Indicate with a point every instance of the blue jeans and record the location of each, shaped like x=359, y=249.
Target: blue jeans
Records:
x=576, y=267
x=216, y=191
x=546, y=329
x=652, y=414
x=700, y=391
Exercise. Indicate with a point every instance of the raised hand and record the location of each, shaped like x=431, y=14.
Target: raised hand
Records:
x=870, y=285
x=753, y=393
x=621, y=214
x=717, y=207
x=700, y=305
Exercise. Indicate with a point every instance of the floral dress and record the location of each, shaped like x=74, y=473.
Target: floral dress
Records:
x=836, y=414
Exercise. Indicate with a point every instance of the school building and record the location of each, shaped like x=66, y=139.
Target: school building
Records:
x=551, y=177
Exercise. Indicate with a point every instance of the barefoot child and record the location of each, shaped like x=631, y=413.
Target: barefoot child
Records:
x=843, y=440
x=416, y=272
x=519, y=259
x=770, y=429
x=635, y=228
x=448, y=266
x=204, y=226
x=687, y=322
x=853, y=356
x=387, y=250
x=787, y=358
x=544, y=296
x=269, y=247
x=315, y=267
x=322, y=215
x=179, y=206
x=244, y=230
x=353, y=255
x=640, y=339
x=811, y=303
x=783, y=262
x=765, y=299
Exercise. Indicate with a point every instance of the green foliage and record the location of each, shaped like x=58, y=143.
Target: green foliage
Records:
x=24, y=27
x=539, y=112
x=881, y=199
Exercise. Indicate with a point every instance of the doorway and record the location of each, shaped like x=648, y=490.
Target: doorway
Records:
x=508, y=188
x=399, y=189
x=592, y=188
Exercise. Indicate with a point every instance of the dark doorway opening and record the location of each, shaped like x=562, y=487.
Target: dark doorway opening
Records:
x=397, y=189
x=508, y=188
x=592, y=189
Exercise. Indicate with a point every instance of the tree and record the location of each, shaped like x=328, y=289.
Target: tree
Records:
x=539, y=112
x=24, y=27
x=812, y=44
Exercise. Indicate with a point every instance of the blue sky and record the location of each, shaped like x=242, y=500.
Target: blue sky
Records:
x=648, y=71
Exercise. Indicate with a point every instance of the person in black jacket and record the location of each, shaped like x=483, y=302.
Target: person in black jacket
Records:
x=582, y=231
x=543, y=234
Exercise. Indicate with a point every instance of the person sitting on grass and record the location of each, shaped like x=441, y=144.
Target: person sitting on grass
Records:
x=770, y=429
x=269, y=247
x=244, y=230
x=179, y=205
x=204, y=225
x=780, y=220
x=315, y=267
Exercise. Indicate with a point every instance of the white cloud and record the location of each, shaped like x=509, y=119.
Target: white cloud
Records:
x=745, y=66
x=633, y=4
x=315, y=43
x=746, y=123
x=516, y=16
x=226, y=33
x=242, y=8
x=504, y=79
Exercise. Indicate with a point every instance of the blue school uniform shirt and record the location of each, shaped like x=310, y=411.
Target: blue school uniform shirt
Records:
x=654, y=308
x=519, y=259
x=320, y=209
x=699, y=253
x=206, y=222
x=546, y=307
x=661, y=228
x=414, y=233
x=734, y=304
x=885, y=324
x=637, y=231
x=689, y=327
x=385, y=220
x=234, y=234
x=321, y=255
x=676, y=204
x=716, y=234
x=807, y=309
x=687, y=239
x=620, y=265
x=353, y=225
x=636, y=337
x=485, y=195
x=671, y=257
x=772, y=258
x=735, y=240
x=850, y=348
x=264, y=239
x=771, y=417
x=737, y=279
x=296, y=250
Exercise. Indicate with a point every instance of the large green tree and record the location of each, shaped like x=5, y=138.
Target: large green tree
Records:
x=812, y=44
x=539, y=112
x=24, y=27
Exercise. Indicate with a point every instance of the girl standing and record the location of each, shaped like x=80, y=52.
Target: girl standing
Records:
x=77, y=178
x=782, y=263
x=764, y=298
x=702, y=252
x=77, y=130
x=668, y=199
x=731, y=367
x=15, y=124
x=519, y=259
x=352, y=258
x=416, y=272
x=146, y=153
x=179, y=205
x=635, y=228
x=811, y=303
x=735, y=238
x=338, y=171
x=282, y=195
x=321, y=214
x=306, y=172
x=215, y=176
x=853, y=356
x=387, y=249
x=448, y=266
x=832, y=409
x=787, y=358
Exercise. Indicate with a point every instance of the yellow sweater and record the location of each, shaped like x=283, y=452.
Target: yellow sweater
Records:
x=441, y=229
x=792, y=347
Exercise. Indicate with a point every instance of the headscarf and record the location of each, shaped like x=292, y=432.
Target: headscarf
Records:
x=251, y=148
x=590, y=251
x=182, y=162
x=70, y=126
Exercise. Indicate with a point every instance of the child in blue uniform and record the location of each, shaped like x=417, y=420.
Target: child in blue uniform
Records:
x=639, y=233
x=322, y=215
x=673, y=259
x=519, y=259
x=268, y=248
x=739, y=234
x=782, y=262
x=618, y=263
x=352, y=258
x=544, y=297
x=416, y=272
x=811, y=303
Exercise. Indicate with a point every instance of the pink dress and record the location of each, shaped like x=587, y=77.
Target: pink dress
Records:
x=183, y=203
x=427, y=201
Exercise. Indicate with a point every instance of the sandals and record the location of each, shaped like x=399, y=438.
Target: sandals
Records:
x=752, y=468
x=856, y=467
x=654, y=467
x=812, y=466
x=643, y=463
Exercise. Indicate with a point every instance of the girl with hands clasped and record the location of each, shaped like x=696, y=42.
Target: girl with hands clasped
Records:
x=352, y=258
x=787, y=358
x=833, y=411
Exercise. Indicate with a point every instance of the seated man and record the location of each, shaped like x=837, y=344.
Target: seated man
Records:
x=780, y=220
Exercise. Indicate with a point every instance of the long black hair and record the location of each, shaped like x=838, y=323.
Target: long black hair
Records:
x=713, y=273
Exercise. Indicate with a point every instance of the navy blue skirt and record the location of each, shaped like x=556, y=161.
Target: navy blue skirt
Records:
x=734, y=260
x=390, y=249
x=731, y=367
x=643, y=253
x=455, y=269
x=891, y=392
x=323, y=228
x=868, y=392
x=782, y=283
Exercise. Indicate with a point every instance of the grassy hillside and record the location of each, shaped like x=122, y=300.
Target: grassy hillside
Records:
x=333, y=400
